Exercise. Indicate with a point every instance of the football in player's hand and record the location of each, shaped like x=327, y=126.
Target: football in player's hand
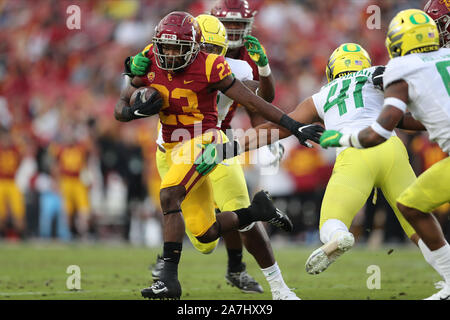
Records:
x=146, y=94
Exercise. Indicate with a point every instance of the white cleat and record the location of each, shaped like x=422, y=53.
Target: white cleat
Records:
x=443, y=294
x=284, y=294
x=321, y=258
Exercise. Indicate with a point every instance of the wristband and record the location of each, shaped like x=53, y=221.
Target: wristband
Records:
x=264, y=71
x=344, y=141
x=395, y=102
x=354, y=141
x=350, y=140
x=380, y=130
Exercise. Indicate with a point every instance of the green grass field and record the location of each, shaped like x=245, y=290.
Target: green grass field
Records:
x=108, y=272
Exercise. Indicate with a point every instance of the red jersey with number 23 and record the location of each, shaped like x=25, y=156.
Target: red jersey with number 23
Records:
x=188, y=102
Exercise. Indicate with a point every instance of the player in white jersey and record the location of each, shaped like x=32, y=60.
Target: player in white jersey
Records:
x=417, y=78
x=228, y=181
x=352, y=98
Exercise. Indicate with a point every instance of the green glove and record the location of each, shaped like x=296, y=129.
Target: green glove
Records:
x=330, y=138
x=214, y=154
x=208, y=159
x=139, y=64
x=256, y=51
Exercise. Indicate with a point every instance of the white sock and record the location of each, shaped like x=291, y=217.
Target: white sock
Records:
x=274, y=277
x=442, y=258
x=330, y=227
x=428, y=256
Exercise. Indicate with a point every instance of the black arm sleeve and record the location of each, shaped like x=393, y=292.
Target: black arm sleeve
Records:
x=377, y=77
x=127, y=68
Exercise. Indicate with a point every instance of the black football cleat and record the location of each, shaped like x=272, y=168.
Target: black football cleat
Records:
x=243, y=281
x=263, y=209
x=163, y=289
x=157, y=268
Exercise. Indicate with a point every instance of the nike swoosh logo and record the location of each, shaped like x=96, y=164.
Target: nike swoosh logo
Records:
x=137, y=113
x=446, y=298
x=304, y=127
x=187, y=82
x=156, y=291
x=331, y=138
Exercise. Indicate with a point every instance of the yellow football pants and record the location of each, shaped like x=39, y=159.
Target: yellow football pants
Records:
x=11, y=197
x=357, y=171
x=229, y=193
x=176, y=167
x=75, y=195
x=430, y=190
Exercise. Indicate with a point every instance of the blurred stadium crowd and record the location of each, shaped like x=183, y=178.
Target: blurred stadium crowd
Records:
x=69, y=170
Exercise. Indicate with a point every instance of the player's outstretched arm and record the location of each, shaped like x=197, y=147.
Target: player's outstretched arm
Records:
x=235, y=90
x=395, y=103
x=255, y=118
x=305, y=112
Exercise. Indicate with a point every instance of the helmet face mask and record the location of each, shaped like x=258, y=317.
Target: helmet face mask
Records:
x=237, y=18
x=237, y=29
x=173, y=56
x=411, y=31
x=347, y=58
x=177, y=41
x=443, y=24
x=439, y=11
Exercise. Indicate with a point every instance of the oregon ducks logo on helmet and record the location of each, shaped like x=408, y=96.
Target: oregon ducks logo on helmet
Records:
x=411, y=31
x=347, y=58
x=214, y=32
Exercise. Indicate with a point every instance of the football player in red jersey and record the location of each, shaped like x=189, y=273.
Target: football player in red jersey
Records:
x=439, y=11
x=254, y=237
x=188, y=81
x=237, y=17
x=230, y=189
x=11, y=197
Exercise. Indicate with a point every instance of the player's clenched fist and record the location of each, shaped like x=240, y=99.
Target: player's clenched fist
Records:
x=301, y=131
x=213, y=154
x=139, y=64
x=145, y=104
x=330, y=138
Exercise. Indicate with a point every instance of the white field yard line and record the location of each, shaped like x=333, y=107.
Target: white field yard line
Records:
x=74, y=292
x=31, y=293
